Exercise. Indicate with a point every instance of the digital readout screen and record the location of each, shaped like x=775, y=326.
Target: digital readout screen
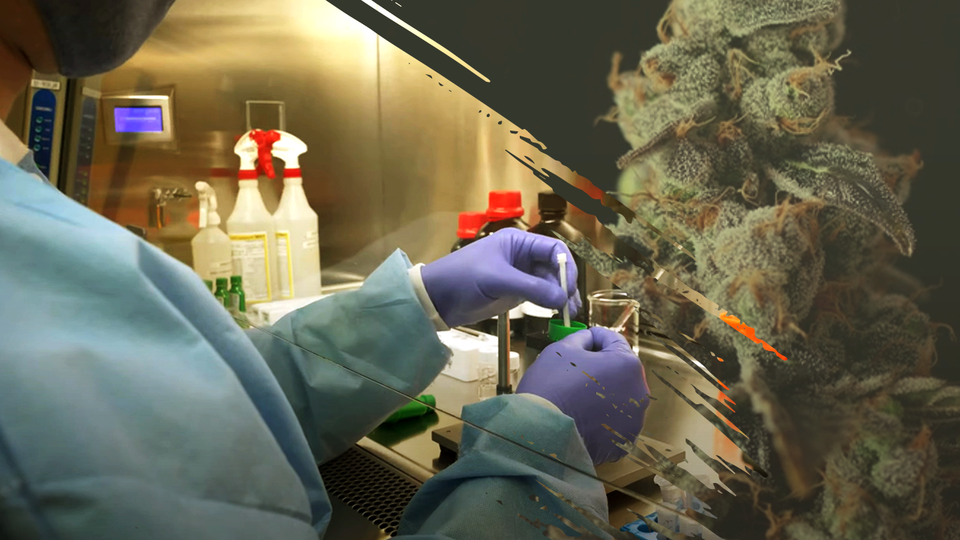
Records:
x=138, y=119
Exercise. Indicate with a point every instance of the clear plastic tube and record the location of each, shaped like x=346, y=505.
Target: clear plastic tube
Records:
x=562, y=261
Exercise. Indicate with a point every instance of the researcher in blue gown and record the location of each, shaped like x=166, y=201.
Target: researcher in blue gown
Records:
x=132, y=405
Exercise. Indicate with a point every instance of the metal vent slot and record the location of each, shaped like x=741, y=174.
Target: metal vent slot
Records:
x=370, y=487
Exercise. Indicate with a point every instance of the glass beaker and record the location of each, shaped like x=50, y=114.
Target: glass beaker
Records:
x=608, y=307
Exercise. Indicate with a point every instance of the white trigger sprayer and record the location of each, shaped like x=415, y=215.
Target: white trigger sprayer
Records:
x=208, y=205
x=289, y=149
x=246, y=149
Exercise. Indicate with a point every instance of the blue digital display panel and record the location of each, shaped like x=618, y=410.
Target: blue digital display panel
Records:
x=138, y=119
x=42, y=114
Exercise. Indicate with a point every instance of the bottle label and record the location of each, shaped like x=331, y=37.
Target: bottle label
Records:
x=284, y=264
x=251, y=262
x=312, y=241
x=221, y=269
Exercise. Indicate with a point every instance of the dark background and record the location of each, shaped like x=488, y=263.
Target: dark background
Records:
x=548, y=61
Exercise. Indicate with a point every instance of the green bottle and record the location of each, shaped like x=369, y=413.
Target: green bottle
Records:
x=209, y=285
x=221, y=292
x=237, y=300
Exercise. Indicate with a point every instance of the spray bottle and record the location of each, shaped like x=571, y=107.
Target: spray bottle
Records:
x=212, y=251
x=250, y=226
x=298, y=238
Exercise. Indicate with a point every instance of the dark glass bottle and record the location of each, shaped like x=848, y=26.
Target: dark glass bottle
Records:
x=553, y=213
x=468, y=226
x=504, y=211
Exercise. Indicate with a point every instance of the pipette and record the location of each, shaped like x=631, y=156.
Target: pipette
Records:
x=562, y=260
x=622, y=321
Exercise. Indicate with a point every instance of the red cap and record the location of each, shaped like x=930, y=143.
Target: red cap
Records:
x=504, y=205
x=470, y=223
x=265, y=140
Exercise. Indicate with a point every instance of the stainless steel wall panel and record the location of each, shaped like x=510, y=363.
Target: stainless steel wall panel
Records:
x=393, y=155
x=441, y=154
x=218, y=55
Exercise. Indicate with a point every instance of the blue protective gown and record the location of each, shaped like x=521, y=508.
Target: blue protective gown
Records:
x=133, y=406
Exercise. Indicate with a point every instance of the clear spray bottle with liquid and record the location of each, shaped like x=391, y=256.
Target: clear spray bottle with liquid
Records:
x=250, y=226
x=297, y=227
x=212, y=251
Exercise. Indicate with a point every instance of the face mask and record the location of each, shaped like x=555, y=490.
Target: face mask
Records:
x=95, y=36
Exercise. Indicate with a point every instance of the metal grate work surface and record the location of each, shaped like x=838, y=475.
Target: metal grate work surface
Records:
x=369, y=486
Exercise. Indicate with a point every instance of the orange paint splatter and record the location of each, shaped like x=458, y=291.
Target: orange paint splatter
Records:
x=724, y=446
x=749, y=332
x=591, y=190
x=725, y=399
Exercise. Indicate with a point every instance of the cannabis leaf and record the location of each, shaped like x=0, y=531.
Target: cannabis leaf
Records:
x=743, y=17
x=848, y=179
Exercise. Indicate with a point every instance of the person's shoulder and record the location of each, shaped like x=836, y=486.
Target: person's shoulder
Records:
x=38, y=224
x=62, y=261
x=27, y=199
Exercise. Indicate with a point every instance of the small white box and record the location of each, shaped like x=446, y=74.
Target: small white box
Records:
x=471, y=353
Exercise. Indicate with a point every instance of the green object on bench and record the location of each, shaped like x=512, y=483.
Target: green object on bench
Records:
x=413, y=409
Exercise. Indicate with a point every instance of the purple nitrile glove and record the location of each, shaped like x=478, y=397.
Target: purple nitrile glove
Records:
x=594, y=377
x=498, y=273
